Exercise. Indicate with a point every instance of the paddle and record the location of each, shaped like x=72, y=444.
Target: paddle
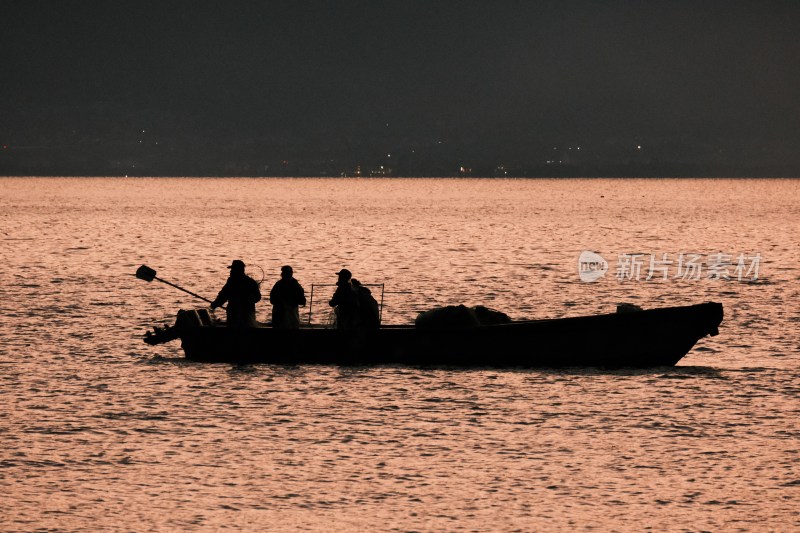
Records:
x=148, y=274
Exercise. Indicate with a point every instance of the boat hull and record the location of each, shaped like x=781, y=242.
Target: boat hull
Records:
x=656, y=337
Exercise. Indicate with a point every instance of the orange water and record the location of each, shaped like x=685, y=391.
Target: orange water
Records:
x=99, y=431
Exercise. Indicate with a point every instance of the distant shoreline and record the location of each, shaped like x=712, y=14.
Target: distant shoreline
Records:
x=388, y=178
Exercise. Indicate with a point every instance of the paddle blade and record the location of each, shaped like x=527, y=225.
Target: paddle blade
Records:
x=146, y=273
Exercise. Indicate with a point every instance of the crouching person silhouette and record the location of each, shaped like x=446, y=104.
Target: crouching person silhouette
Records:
x=368, y=308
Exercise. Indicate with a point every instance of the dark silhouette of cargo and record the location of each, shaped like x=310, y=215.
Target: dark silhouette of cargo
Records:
x=460, y=316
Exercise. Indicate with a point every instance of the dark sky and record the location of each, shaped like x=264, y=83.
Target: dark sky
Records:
x=493, y=71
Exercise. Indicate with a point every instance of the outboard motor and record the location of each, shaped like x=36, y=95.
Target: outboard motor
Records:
x=193, y=318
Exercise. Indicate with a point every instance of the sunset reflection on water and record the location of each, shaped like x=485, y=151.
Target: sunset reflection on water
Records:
x=100, y=431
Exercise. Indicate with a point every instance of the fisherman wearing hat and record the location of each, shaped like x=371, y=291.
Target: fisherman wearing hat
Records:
x=345, y=301
x=286, y=295
x=241, y=292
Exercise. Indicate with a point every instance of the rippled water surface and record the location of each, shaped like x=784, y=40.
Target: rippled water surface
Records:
x=99, y=431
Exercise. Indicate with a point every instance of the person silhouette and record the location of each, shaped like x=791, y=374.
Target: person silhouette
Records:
x=368, y=309
x=345, y=301
x=286, y=295
x=241, y=292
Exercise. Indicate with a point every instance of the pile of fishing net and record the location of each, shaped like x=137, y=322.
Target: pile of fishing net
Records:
x=460, y=316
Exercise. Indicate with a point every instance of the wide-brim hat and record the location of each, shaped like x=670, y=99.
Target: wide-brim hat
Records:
x=237, y=264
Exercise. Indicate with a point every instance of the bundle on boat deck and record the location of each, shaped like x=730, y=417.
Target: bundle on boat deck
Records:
x=460, y=316
x=647, y=338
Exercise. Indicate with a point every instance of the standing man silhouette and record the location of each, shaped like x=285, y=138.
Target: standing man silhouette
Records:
x=345, y=301
x=241, y=292
x=286, y=295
